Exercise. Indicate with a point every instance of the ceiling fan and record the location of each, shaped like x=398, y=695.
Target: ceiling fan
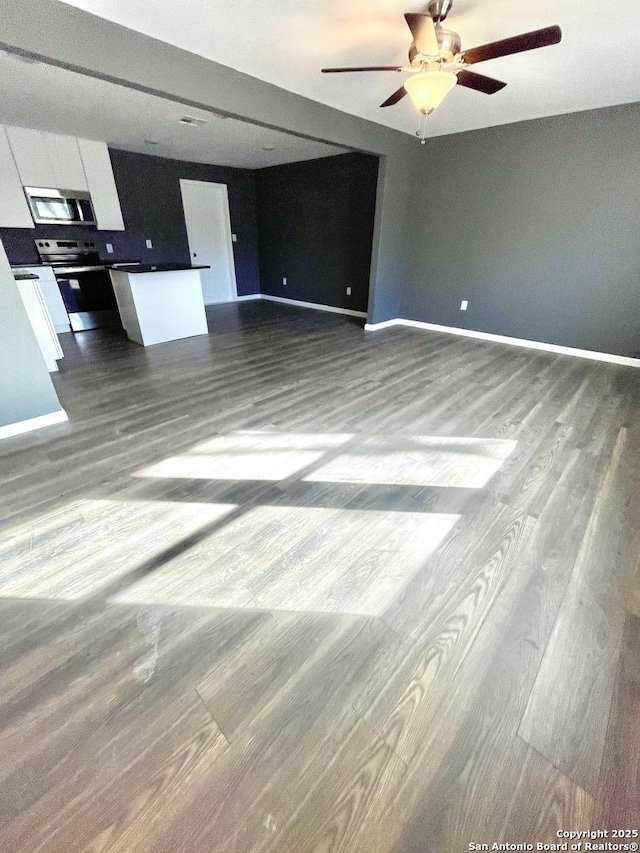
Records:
x=437, y=62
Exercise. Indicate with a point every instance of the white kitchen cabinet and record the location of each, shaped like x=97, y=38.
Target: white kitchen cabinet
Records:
x=14, y=210
x=102, y=185
x=54, y=161
x=158, y=305
x=52, y=296
x=48, y=160
x=41, y=323
x=67, y=162
x=31, y=155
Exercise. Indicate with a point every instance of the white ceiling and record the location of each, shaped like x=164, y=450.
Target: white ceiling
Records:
x=286, y=42
x=49, y=98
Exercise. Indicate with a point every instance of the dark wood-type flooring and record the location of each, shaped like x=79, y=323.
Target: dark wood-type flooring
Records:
x=296, y=587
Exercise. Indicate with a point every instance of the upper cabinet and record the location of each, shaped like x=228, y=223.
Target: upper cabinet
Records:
x=67, y=162
x=33, y=158
x=102, y=185
x=14, y=210
x=47, y=159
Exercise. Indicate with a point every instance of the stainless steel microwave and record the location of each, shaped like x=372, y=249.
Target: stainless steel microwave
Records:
x=60, y=207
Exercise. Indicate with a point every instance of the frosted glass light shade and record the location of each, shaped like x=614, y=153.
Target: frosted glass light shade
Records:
x=429, y=88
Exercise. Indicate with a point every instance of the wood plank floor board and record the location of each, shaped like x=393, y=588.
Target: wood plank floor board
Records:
x=293, y=586
x=462, y=784
x=144, y=789
x=307, y=724
x=111, y=714
x=619, y=784
x=545, y=801
x=597, y=431
x=412, y=697
x=241, y=685
x=114, y=667
x=528, y=492
x=414, y=609
x=72, y=628
x=490, y=695
x=477, y=398
x=342, y=810
x=495, y=411
x=632, y=596
x=426, y=409
x=533, y=430
x=589, y=631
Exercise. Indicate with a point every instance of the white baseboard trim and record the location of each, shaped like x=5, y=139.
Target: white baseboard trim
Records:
x=298, y=304
x=314, y=305
x=21, y=427
x=385, y=324
x=504, y=339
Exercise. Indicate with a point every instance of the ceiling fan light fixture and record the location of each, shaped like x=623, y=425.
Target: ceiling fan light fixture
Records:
x=429, y=89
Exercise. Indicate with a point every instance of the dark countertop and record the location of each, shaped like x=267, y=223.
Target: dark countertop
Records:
x=28, y=264
x=144, y=268
x=107, y=262
x=24, y=276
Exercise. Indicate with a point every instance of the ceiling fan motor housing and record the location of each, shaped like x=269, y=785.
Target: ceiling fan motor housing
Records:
x=449, y=41
x=450, y=45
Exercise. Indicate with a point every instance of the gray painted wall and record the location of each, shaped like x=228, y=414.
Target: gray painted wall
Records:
x=537, y=224
x=26, y=390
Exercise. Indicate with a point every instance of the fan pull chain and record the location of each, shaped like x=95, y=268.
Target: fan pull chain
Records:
x=422, y=132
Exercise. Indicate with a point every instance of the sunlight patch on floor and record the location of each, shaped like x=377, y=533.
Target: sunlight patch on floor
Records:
x=247, y=456
x=307, y=559
x=344, y=530
x=417, y=461
x=73, y=553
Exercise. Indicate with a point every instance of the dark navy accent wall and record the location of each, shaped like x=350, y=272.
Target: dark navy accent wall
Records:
x=315, y=221
x=149, y=190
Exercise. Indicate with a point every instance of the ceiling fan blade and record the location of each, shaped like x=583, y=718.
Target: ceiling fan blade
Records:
x=393, y=99
x=480, y=83
x=424, y=33
x=365, y=68
x=517, y=44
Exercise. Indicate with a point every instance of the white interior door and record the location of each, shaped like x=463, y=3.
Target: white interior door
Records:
x=206, y=213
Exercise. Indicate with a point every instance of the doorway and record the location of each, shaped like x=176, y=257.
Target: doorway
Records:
x=206, y=214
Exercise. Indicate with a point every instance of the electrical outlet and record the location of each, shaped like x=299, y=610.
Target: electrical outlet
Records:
x=284, y=281
x=234, y=238
x=464, y=304
x=109, y=249
x=348, y=291
x=149, y=244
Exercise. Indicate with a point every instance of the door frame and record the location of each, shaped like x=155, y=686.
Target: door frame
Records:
x=223, y=192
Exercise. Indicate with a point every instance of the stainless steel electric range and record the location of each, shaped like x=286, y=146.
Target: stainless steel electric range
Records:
x=84, y=282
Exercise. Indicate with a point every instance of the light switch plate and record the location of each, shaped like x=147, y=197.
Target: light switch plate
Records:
x=234, y=238
x=109, y=248
x=149, y=244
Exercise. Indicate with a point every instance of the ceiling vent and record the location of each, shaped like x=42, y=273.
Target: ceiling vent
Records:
x=192, y=121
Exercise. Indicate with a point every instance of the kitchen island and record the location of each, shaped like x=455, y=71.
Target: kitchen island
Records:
x=160, y=302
